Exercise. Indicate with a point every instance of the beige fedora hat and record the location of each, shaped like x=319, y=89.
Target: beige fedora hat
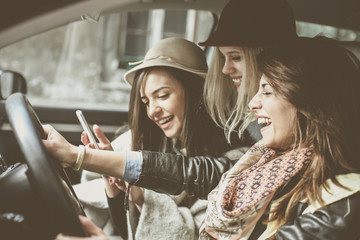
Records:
x=172, y=52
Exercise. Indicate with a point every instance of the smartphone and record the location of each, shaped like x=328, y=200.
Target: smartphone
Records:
x=86, y=128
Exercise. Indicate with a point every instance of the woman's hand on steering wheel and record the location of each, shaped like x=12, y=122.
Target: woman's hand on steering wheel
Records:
x=59, y=147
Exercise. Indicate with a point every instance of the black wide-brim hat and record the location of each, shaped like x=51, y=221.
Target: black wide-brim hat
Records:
x=254, y=22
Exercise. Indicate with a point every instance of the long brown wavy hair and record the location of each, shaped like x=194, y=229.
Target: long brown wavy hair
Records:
x=200, y=134
x=322, y=80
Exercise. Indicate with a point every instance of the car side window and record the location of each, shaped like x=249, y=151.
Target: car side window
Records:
x=82, y=64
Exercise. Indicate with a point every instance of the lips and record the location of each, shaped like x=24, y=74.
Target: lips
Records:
x=264, y=123
x=165, y=120
x=236, y=81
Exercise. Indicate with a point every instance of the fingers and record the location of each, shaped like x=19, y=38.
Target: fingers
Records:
x=100, y=135
x=120, y=184
x=51, y=135
x=111, y=181
x=47, y=129
x=85, y=138
x=86, y=141
x=104, y=144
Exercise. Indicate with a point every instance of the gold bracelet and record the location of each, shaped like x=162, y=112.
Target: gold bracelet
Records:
x=80, y=158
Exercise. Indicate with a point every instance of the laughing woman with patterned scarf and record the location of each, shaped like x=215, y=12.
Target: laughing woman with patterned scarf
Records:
x=302, y=180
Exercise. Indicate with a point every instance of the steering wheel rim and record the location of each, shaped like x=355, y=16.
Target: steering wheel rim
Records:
x=46, y=175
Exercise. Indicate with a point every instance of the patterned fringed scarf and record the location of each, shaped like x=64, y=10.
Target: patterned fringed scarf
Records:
x=244, y=192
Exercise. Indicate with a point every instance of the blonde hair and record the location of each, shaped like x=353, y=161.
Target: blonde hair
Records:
x=227, y=107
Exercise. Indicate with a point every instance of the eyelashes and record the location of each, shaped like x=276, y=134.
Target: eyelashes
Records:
x=162, y=96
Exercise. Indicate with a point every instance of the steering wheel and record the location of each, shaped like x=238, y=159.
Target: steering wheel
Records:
x=46, y=176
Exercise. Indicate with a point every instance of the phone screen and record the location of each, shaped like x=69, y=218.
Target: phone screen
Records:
x=86, y=128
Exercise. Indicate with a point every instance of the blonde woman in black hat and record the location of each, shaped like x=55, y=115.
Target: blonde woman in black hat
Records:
x=167, y=115
x=245, y=29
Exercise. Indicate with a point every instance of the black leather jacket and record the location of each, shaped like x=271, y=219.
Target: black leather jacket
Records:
x=339, y=220
x=171, y=173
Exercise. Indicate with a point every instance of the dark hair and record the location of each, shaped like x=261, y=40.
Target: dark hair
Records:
x=200, y=134
x=322, y=80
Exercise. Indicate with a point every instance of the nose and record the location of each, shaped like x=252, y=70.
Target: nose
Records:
x=255, y=103
x=153, y=109
x=227, y=68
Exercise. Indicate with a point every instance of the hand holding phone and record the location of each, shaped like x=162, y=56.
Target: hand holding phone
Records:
x=86, y=128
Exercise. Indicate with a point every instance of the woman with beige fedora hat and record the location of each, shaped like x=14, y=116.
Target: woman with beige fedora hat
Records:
x=167, y=115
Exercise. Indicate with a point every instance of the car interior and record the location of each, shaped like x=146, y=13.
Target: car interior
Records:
x=57, y=38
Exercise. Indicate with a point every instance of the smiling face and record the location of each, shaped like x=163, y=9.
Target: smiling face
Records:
x=164, y=98
x=277, y=114
x=234, y=65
